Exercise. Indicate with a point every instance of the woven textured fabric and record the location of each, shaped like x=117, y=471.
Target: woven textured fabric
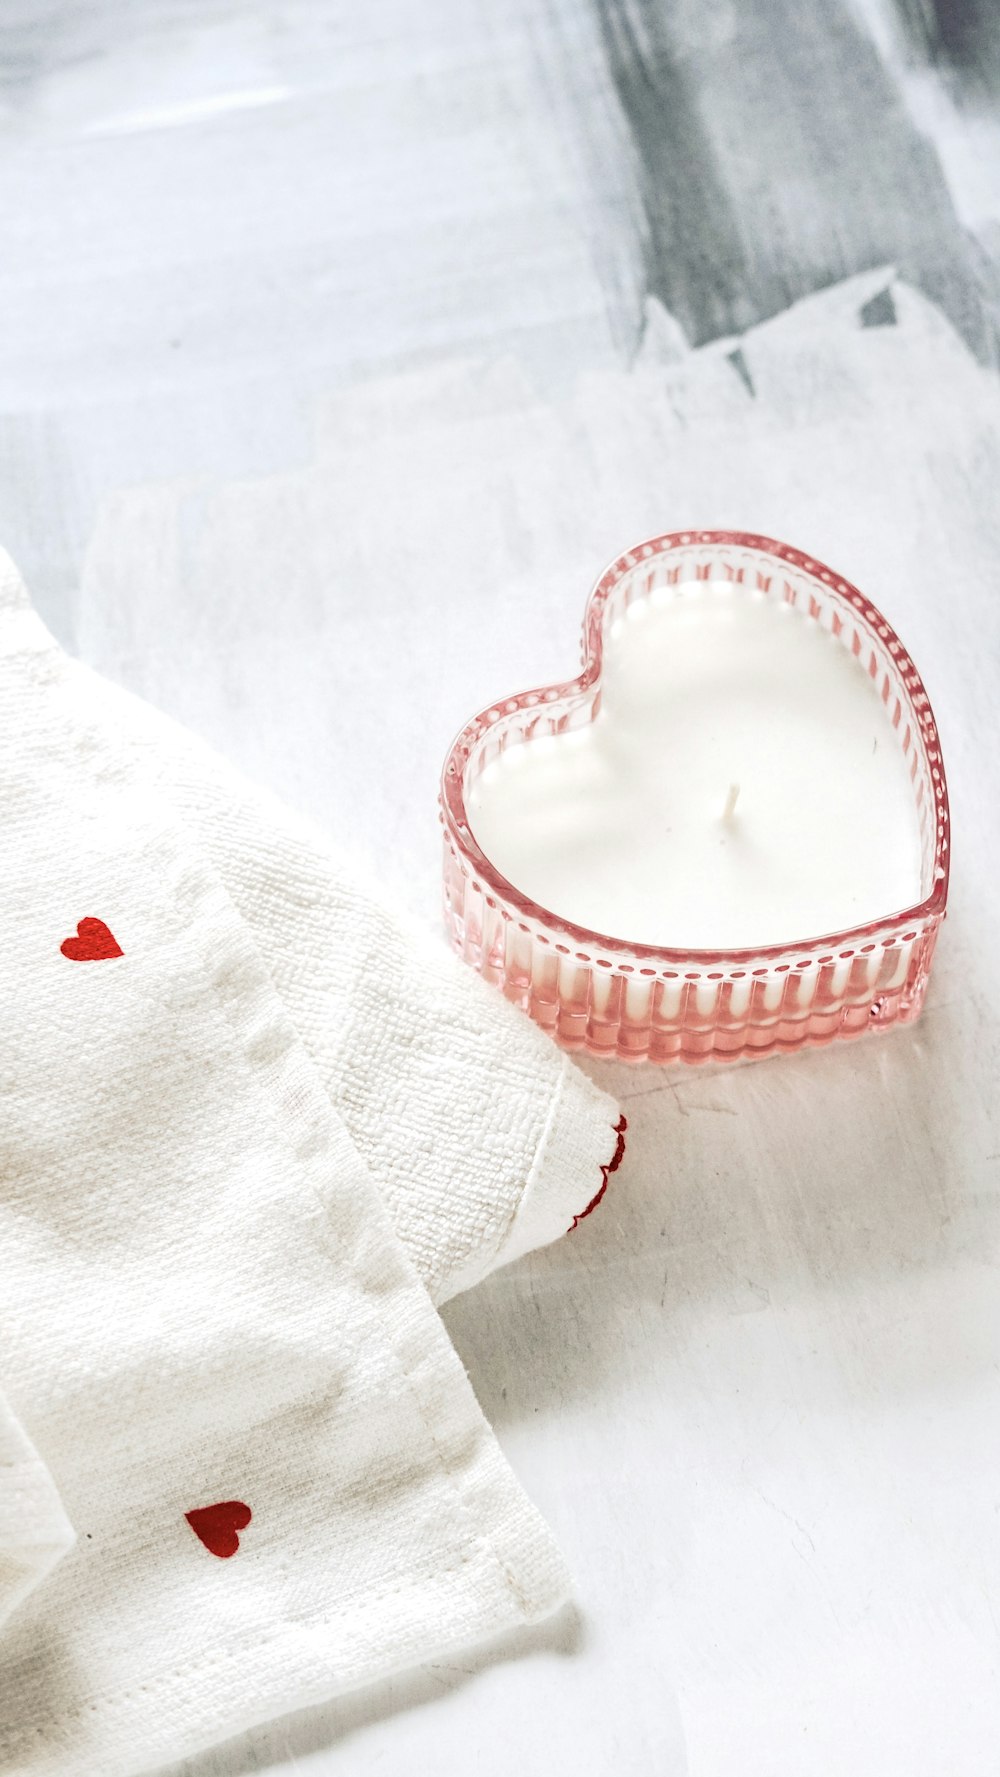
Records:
x=238, y=1395
x=485, y=1140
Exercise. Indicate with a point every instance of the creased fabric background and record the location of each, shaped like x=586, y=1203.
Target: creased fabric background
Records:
x=338, y=351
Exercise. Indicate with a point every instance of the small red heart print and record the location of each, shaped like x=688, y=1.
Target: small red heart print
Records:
x=217, y=1526
x=93, y=942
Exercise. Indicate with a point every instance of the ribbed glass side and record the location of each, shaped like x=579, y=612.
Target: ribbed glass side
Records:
x=635, y=1013
x=608, y=997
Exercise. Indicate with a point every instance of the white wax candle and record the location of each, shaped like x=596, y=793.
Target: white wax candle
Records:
x=741, y=785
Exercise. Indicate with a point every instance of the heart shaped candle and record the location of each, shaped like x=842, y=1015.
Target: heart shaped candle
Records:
x=729, y=834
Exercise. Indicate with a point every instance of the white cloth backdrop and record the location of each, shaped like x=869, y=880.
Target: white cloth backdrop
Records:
x=756, y=1394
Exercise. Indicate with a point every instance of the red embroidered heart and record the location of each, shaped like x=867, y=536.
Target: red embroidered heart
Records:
x=93, y=942
x=217, y=1526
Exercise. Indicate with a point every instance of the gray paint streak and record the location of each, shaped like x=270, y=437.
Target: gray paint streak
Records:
x=879, y=311
x=775, y=156
x=738, y=361
x=960, y=36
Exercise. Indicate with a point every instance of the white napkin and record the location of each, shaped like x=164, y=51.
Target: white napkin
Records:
x=484, y=1139
x=221, y=1063
x=35, y=1532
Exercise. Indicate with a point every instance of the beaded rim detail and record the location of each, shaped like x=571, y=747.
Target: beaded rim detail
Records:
x=618, y=952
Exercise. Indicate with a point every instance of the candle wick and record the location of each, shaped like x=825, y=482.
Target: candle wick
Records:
x=731, y=801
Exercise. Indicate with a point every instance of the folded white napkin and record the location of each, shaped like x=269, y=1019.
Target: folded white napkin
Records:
x=35, y=1532
x=221, y=1064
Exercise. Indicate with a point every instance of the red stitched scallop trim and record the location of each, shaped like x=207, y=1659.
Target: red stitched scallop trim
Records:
x=606, y=1171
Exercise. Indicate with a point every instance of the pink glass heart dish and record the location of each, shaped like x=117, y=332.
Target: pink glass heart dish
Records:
x=708, y=986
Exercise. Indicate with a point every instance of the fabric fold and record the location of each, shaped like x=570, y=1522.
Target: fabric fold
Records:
x=35, y=1532
x=280, y=1480
x=484, y=1139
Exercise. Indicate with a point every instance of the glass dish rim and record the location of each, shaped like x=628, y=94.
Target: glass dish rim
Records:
x=462, y=838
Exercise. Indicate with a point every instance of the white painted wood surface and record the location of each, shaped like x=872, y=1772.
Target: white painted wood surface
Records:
x=316, y=428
